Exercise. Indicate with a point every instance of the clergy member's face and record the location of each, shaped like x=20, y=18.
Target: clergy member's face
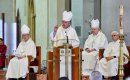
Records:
x=94, y=31
x=55, y=28
x=25, y=37
x=65, y=24
x=115, y=37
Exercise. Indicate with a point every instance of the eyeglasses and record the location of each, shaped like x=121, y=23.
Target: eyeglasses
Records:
x=113, y=35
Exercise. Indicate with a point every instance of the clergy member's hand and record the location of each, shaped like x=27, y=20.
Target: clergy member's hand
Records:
x=88, y=50
x=93, y=50
x=21, y=57
x=109, y=58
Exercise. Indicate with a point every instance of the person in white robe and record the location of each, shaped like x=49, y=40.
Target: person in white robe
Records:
x=96, y=40
x=108, y=66
x=66, y=32
x=52, y=34
x=18, y=66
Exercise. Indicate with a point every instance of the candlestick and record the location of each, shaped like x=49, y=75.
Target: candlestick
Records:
x=121, y=69
x=121, y=10
x=121, y=31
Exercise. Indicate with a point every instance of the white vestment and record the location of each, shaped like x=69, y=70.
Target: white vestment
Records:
x=51, y=40
x=93, y=42
x=19, y=67
x=52, y=35
x=110, y=68
x=61, y=37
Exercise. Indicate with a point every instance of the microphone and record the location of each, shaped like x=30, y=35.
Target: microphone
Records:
x=66, y=37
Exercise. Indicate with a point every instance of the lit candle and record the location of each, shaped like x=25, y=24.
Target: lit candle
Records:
x=121, y=9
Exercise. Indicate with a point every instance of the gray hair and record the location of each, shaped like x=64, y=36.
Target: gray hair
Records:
x=114, y=32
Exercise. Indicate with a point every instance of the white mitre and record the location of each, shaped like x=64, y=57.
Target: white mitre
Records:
x=25, y=29
x=95, y=23
x=67, y=16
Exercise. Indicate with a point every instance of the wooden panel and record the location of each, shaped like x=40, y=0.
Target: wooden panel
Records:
x=50, y=66
x=101, y=51
x=56, y=63
x=75, y=64
x=38, y=57
x=2, y=75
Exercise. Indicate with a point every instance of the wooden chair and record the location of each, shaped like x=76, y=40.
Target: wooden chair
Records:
x=127, y=66
x=36, y=62
x=101, y=51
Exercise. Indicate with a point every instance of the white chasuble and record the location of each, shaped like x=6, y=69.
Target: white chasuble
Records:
x=19, y=67
x=93, y=42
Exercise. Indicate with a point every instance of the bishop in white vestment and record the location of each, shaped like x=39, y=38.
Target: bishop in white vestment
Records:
x=95, y=41
x=66, y=34
x=108, y=66
x=65, y=31
x=18, y=66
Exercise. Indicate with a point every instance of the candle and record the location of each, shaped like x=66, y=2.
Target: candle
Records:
x=121, y=31
x=121, y=9
x=121, y=23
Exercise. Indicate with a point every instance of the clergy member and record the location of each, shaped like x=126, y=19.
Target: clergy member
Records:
x=95, y=41
x=65, y=33
x=108, y=66
x=53, y=33
x=3, y=50
x=18, y=66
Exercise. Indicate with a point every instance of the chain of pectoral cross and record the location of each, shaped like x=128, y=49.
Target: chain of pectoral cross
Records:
x=94, y=39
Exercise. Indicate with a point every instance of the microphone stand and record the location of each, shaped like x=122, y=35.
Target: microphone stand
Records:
x=67, y=37
x=66, y=55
